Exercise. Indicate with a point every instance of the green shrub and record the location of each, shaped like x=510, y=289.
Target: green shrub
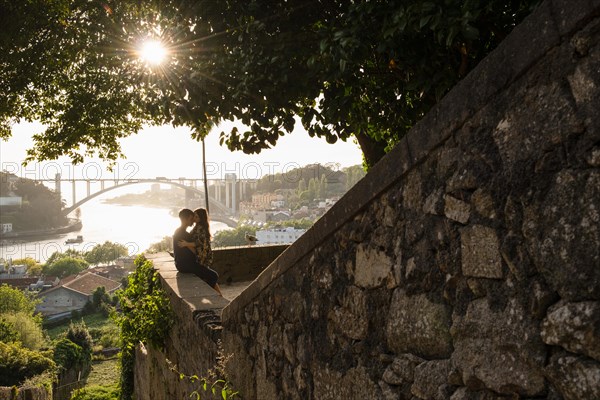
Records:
x=78, y=333
x=13, y=300
x=18, y=364
x=110, y=337
x=29, y=330
x=68, y=354
x=8, y=333
x=233, y=237
x=146, y=317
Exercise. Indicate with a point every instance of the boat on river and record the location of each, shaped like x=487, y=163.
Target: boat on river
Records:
x=78, y=239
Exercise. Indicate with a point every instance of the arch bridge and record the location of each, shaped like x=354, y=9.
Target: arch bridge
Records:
x=219, y=211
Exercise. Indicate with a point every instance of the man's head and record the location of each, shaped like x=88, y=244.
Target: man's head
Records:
x=186, y=216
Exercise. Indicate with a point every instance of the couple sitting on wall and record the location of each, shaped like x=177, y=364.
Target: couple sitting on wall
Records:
x=192, y=250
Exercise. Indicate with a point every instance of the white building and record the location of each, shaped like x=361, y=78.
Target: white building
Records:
x=278, y=203
x=74, y=294
x=278, y=235
x=11, y=201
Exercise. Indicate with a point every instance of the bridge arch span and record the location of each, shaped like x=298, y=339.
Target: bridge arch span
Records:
x=213, y=202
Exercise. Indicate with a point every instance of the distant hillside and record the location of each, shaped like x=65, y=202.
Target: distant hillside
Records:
x=166, y=198
x=336, y=181
x=40, y=207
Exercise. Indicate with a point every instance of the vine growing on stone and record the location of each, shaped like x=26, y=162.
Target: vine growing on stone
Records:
x=146, y=316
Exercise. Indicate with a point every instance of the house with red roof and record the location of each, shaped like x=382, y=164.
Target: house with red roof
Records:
x=73, y=293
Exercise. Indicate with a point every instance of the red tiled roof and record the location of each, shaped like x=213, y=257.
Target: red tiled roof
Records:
x=19, y=283
x=87, y=283
x=68, y=279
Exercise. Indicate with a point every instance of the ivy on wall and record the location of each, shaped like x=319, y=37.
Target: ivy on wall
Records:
x=146, y=316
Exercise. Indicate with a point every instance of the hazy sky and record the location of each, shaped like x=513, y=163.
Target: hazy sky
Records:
x=166, y=151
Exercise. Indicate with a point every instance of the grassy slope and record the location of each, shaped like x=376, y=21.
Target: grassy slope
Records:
x=104, y=372
x=91, y=321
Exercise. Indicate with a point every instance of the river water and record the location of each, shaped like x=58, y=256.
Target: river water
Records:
x=135, y=227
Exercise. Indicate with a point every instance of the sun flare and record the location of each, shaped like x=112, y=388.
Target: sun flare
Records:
x=153, y=52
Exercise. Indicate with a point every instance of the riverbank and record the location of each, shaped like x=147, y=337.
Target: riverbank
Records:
x=73, y=226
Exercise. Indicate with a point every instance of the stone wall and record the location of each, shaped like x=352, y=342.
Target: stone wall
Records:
x=239, y=264
x=26, y=393
x=466, y=264
x=192, y=347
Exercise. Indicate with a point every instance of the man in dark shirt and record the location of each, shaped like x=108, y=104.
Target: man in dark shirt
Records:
x=185, y=259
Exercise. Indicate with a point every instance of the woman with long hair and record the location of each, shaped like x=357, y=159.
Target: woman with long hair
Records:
x=201, y=247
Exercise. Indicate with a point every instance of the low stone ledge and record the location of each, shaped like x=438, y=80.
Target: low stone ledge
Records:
x=241, y=264
x=186, y=288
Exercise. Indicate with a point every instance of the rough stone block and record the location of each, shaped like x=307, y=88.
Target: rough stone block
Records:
x=239, y=369
x=575, y=327
x=372, y=267
x=593, y=158
x=351, y=318
x=431, y=380
x=388, y=392
x=480, y=252
x=582, y=82
x=401, y=370
x=418, y=325
x=461, y=180
x=574, y=377
x=354, y=384
x=562, y=231
x=500, y=350
x=456, y=209
x=463, y=393
x=447, y=159
x=520, y=137
x=434, y=203
x=411, y=194
x=483, y=203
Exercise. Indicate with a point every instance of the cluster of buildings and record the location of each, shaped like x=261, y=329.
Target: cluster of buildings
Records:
x=60, y=297
x=273, y=207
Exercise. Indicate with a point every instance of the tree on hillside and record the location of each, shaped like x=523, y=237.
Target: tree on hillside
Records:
x=29, y=329
x=353, y=175
x=18, y=318
x=367, y=70
x=41, y=206
x=57, y=255
x=232, y=237
x=14, y=300
x=105, y=253
x=65, y=266
x=166, y=244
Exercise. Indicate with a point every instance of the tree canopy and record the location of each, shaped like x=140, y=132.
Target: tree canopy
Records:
x=105, y=253
x=65, y=266
x=19, y=321
x=364, y=69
